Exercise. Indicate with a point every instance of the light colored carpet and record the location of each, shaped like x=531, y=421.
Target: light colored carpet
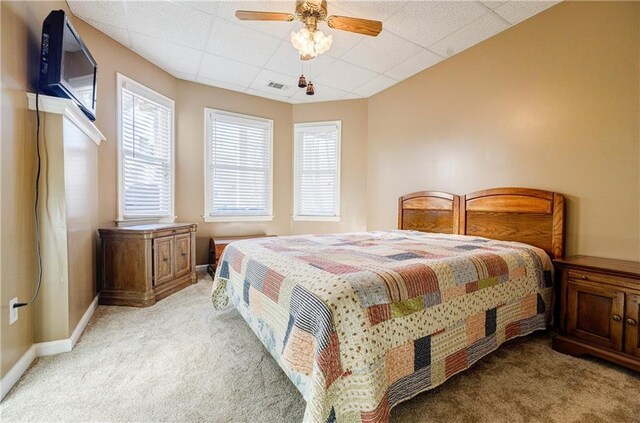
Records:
x=182, y=361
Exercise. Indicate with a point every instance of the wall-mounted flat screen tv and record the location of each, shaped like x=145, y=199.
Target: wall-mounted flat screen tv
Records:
x=67, y=69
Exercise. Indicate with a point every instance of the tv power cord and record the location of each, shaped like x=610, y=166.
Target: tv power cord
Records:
x=35, y=209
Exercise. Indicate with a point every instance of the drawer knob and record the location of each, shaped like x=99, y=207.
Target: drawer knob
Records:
x=631, y=322
x=585, y=277
x=617, y=318
x=165, y=259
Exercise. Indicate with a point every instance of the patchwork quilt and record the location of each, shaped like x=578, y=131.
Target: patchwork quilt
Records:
x=360, y=322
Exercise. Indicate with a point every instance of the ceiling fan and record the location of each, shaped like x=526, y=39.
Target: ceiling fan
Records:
x=310, y=41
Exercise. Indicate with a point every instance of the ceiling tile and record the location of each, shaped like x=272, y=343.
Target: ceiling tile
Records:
x=220, y=84
x=518, y=11
x=351, y=96
x=265, y=76
x=322, y=93
x=342, y=41
x=206, y=6
x=376, y=10
x=184, y=76
x=281, y=30
x=382, y=52
x=105, y=12
x=237, y=42
x=244, y=55
x=167, y=55
x=344, y=76
x=374, y=86
x=118, y=34
x=271, y=96
x=417, y=63
x=477, y=31
x=493, y=4
x=287, y=61
x=170, y=22
x=426, y=22
x=226, y=70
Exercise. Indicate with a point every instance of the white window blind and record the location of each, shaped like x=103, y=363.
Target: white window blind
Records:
x=317, y=171
x=146, y=143
x=239, y=167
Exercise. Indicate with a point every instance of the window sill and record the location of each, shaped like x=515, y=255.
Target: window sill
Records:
x=144, y=221
x=317, y=218
x=210, y=219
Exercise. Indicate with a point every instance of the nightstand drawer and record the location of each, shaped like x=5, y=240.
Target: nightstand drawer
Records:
x=591, y=276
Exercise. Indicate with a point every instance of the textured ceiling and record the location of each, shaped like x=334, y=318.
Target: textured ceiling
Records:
x=203, y=41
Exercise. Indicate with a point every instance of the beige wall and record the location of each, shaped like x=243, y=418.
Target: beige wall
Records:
x=18, y=34
x=20, y=48
x=68, y=218
x=353, y=169
x=112, y=57
x=81, y=213
x=552, y=103
x=190, y=103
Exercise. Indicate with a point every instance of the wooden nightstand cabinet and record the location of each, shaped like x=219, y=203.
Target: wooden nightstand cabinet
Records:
x=599, y=310
x=145, y=263
x=217, y=246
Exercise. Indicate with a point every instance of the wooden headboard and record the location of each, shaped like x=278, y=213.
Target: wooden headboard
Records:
x=429, y=211
x=531, y=216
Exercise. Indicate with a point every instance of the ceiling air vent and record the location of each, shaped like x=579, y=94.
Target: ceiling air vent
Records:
x=277, y=85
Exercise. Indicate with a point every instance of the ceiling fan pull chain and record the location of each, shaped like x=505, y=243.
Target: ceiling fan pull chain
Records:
x=302, y=81
x=310, y=88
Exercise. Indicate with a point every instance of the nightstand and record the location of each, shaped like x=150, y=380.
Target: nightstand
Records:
x=217, y=246
x=599, y=309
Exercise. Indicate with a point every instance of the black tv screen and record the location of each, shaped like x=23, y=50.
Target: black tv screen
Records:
x=67, y=68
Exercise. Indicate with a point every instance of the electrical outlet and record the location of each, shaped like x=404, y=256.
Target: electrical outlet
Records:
x=13, y=312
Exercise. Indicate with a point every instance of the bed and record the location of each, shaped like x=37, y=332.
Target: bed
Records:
x=363, y=321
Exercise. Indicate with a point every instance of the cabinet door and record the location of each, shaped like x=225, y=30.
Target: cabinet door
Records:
x=594, y=313
x=183, y=255
x=632, y=327
x=163, y=260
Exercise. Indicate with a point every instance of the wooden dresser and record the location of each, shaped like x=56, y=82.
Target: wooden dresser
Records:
x=143, y=264
x=600, y=307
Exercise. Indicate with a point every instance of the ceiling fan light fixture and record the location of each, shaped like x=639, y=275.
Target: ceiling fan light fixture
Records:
x=310, y=43
x=322, y=42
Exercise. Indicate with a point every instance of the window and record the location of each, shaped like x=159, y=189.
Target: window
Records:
x=317, y=171
x=238, y=162
x=145, y=154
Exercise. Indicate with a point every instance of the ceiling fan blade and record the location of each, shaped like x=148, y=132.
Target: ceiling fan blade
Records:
x=357, y=25
x=249, y=15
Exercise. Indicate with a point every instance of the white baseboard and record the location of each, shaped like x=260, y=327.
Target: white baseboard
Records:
x=201, y=268
x=16, y=372
x=82, y=324
x=45, y=348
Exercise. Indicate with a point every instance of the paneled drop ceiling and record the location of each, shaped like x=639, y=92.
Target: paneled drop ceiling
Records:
x=203, y=41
